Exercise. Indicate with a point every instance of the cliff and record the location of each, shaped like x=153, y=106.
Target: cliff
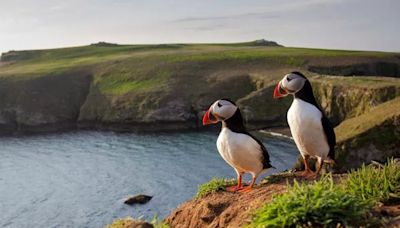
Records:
x=374, y=135
x=285, y=200
x=167, y=87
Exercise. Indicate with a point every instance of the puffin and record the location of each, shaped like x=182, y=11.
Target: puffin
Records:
x=311, y=130
x=241, y=150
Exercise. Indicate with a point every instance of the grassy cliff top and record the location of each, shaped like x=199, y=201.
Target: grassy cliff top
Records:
x=35, y=62
x=356, y=126
x=367, y=82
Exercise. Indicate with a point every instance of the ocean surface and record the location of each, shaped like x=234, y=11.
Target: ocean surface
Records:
x=80, y=179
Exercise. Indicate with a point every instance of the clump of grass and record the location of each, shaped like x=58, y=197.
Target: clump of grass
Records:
x=322, y=203
x=277, y=177
x=375, y=184
x=121, y=223
x=214, y=185
x=157, y=223
x=129, y=222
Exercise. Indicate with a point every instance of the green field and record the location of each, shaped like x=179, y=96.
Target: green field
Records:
x=55, y=60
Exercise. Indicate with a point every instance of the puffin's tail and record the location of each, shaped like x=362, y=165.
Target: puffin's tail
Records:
x=269, y=166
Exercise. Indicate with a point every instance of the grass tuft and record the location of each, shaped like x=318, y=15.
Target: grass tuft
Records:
x=214, y=185
x=325, y=203
x=157, y=223
x=322, y=203
x=129, y=222
x=375, y=183
x=121, y=223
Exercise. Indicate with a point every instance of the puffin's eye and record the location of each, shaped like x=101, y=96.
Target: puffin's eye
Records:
x=219, y=105
x=289, y=79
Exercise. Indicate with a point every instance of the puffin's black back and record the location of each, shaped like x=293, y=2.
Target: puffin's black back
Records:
x=306, y=94
x=235, y=124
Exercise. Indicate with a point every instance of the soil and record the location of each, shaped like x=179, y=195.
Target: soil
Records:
x=226, y=209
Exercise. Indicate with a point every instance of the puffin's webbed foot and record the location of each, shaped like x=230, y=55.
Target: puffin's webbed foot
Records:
x=234, y=188
x=308, y=174
x=246, y=189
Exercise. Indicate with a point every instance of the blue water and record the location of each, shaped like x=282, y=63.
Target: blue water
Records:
x=79, y=179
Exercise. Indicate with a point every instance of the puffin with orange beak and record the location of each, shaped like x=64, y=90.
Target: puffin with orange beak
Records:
x=241, y=150
x=311, y=130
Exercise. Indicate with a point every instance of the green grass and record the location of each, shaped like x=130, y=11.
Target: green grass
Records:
x=120, y=223
x=367, y=82
x=127, y=223
x=375, y=184
x=325, y=203
x=214, y=185
x=322, y=203
x=356, y=126
x=57, y=60
x=118, y=84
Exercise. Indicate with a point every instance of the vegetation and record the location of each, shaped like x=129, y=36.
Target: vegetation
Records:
x=35, y=62
x=129, y=222
x=375, y=184
x=138, y=84
x=353, y=127
x=325, y=203
x=319, y=204
x=214, y=185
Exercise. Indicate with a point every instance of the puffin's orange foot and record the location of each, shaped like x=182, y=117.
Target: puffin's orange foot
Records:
x=246, y=189
x=233, y=188
x=308, y=174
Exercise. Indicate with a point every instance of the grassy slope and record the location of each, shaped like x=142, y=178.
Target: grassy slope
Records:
x=373, y=135
x=53, y=60
x=353, y=127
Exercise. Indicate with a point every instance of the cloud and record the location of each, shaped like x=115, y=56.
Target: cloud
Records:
x=207, y=27
x=228, y=17
x=272, y=11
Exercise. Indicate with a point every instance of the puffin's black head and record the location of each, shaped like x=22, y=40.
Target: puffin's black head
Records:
x=221, y=110
x=292, y=83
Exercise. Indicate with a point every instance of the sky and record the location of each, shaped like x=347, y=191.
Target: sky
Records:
x=333, y=24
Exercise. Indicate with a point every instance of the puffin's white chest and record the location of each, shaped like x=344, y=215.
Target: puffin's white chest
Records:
x=240, y=151
x=305, y=124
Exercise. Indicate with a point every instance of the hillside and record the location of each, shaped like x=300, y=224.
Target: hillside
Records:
x=373, y=135
x=167, y=87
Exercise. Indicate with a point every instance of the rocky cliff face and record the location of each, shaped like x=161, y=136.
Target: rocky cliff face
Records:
x=168, y=87
x=344, y=98
x=373, y=135
x=75, y=99
x=42, y=104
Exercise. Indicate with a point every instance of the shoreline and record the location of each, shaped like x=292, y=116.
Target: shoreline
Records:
x=139, y=128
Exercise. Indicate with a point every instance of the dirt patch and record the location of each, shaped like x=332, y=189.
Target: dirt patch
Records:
x=226, y=209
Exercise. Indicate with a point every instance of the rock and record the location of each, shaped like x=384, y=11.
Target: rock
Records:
x=138, y=199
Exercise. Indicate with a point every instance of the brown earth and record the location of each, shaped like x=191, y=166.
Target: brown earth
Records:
x=226, y=209
x=223, y=209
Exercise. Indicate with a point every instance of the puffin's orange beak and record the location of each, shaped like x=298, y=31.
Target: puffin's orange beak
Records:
x=209, y=118
x=279, y=92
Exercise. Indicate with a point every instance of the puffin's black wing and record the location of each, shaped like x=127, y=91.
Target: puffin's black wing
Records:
x=330, y=136
x=266, y=161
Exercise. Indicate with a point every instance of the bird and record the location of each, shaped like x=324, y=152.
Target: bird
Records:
x=311, y=129
x=241, y=150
